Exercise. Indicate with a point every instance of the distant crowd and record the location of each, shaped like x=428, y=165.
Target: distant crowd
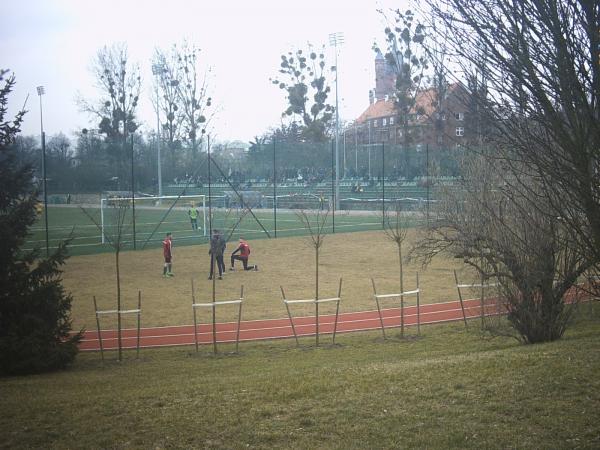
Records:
x=307, y=176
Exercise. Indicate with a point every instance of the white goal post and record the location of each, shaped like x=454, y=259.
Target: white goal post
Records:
x=155, y=203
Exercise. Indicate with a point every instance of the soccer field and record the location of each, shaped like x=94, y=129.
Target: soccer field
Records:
x=285, y=261
x=84, y=225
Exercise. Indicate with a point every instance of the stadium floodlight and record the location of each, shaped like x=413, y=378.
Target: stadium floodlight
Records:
x=336, y=39
x=41, y=91
x=157, y=70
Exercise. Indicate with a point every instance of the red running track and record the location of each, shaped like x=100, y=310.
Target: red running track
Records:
x=253, y=330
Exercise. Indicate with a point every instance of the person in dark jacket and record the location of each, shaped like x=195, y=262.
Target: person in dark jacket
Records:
x=217, y=248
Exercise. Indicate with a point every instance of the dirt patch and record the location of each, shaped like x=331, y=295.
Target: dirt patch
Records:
x=287, y=262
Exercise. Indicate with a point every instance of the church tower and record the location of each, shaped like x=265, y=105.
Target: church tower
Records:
x=385, y=78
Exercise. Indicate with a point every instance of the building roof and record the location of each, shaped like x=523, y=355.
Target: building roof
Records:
x=381, y=108
x=424, y=106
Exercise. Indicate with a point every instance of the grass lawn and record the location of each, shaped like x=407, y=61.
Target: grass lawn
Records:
x=448, y=389
x=153, y=222
x=287, y=261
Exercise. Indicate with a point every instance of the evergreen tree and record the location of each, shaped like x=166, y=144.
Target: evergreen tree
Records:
x=34, y=307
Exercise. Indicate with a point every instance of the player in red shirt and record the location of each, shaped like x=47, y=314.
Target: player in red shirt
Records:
x=168, y=254
x=244, y=253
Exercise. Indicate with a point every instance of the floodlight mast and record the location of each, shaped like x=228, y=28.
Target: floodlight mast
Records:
x=157, y=70
x=41, y=91
x=336, y=39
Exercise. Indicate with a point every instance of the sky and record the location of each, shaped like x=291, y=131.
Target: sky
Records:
x=53, y=43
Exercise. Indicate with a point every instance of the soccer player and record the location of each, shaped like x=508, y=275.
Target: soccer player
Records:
x=217, y=248
x=168, y=254
x=193, y=213
x=244, y=250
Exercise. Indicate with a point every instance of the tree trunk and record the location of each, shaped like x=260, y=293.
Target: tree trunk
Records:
x=401, y=289
x=118, y=304
x=317, y=295
x=538, y=316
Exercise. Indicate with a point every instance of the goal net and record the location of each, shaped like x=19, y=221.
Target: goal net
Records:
x=148, y=219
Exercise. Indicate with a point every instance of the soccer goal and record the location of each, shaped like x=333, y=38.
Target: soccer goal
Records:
x=142, y=217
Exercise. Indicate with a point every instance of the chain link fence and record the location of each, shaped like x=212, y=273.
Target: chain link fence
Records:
x=260, y=192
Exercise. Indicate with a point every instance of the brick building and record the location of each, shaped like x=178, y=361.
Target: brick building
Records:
x=439, y=124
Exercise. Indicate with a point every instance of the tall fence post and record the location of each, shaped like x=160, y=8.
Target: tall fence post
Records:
x=45, y=190
x=334, y=200
x=383, y=184
x=213, y=258
x=133, y=192
x=427, y=181
x=274, y=189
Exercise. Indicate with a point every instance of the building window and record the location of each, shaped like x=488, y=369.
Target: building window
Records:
x=384, y=122
x=391, y=121
x=460, y=131
x=459, y=116
x=375, y=123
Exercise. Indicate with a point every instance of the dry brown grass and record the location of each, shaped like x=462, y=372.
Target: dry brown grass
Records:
x=284, y=261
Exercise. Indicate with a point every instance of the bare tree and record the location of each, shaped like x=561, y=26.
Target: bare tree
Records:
x=316, y=228
x=541, y=108
x=117, y=215
x=304, y=77
x=436, y=54
x=193, y=93
x=407, y=56
x=166, y=98
x=499, y=232
x=59, y=147
x=119, y=83
x=395, y=228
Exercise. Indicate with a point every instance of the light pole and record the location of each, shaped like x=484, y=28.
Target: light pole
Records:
x=157, y=70
x=41, y=91
x=344, y=165
x=355, y=151
x=336, y=39
x=369, y=147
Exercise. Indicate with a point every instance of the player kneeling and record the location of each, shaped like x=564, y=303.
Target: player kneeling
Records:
x=244, y=253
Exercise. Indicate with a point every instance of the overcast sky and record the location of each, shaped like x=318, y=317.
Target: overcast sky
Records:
x=53, y=42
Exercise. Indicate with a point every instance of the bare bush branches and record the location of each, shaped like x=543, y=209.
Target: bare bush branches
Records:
x=495, y=229
x=538, y=68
